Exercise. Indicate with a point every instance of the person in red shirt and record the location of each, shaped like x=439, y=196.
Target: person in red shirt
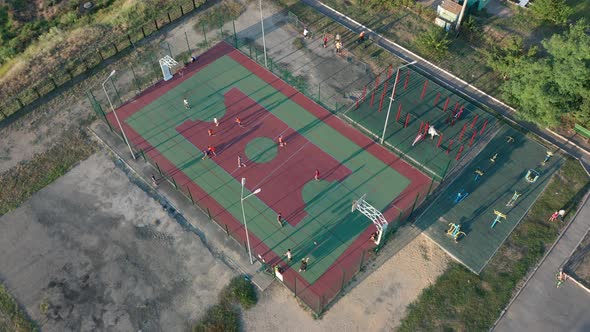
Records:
x=282, y=142
x=210, y=132
x=317, y=175
x=211, y=149
x=239, y=122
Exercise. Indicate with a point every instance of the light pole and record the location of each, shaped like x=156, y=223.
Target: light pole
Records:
x=391, y=98
x=114, y=112
x=242, y=198
x=263, y=40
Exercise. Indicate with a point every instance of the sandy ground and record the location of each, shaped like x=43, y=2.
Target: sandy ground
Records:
x=378, y=303
x=92, y=251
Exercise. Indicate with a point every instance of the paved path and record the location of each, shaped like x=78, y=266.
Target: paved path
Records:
x=541, y=306
x=452, y=82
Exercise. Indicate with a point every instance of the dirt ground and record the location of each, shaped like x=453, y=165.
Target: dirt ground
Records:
x=80, y=255
x=93, y=251
x=378, y=303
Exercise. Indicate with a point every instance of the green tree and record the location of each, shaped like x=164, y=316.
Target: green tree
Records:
x=555, y=11
x=502, y=58
x=556, y=86
x=434, y=42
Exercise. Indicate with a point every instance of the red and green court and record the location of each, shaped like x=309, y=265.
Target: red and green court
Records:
x=225, y=84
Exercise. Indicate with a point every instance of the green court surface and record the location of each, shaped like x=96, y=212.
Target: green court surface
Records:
x=492, y=191
x=433, y=159
x=329, y=221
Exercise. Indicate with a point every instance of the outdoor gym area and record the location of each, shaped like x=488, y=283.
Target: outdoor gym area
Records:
x=473, y=216
x=419, y=119
x=306, y=194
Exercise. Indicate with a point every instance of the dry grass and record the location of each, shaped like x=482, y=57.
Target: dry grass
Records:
x=21, y=182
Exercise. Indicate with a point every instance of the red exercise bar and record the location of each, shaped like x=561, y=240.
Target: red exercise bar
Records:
x=474, y=121
x=407, y=79
x=459, y=153
x=472, y=137
x=383, y=95
x=389, y=72
x=421, y=125
x=456, y=107
x=446, y=104
x=364, y=94
x=436, y=99
x=450, y=145
x=407, y=120
x=485, y=123
x=426, y=128
x=399, y=112
x=375, y=89
x=462, y=131
x=439, y=140
x=424, y=90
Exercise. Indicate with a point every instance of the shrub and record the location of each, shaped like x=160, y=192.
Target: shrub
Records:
x=434, y=42
x=241, y=291
x=219, y=318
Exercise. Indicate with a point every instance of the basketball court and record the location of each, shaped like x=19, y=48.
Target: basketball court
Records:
x=318, y=224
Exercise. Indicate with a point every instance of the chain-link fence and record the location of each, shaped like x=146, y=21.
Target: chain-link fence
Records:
x=312, y=65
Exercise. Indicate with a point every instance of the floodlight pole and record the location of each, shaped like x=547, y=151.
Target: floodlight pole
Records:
x=263, y=39
x=115, y=113
x=242, y=198
x=391, y=98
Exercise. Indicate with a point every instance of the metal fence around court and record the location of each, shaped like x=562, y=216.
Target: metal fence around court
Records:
x=333, y=81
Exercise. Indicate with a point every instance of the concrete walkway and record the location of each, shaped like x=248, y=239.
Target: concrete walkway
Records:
x=451, y=81
x=540, y=306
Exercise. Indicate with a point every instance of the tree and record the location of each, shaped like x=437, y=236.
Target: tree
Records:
x=555, y=11
x=502, y=58
x=434, y=42
x=556, y=86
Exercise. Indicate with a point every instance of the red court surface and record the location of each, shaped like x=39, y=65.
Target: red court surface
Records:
x=296, y=170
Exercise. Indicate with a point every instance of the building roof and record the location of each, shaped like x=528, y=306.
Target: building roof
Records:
x=451, y=6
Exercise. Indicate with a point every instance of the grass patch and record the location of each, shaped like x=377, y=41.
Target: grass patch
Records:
x=225, y=316
x=239, y=291
x=460, y=300
x=12, y=317
x=21, y=182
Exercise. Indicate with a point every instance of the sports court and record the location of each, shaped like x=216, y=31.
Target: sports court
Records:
x=224, y=84
x=489, y=184
x=420, y=105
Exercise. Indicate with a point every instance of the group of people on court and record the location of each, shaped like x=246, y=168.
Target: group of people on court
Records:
x=337, y=40
x=281, y=141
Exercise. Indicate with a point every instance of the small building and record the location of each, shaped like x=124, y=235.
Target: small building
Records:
x=447, y=14
x=448, y=11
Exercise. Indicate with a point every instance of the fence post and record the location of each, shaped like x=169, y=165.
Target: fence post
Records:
x=158, y=168
x=226, y=230
x=343, y=279
x=204, y=33
x=190, y=194
x=115, y=47
x=209, y=214
x=135, y=80
x=156, y=23
x=142, y=154
x=187, y=43
x=430, y=187
x=174, y=183
x=116, y=91
x=194, y=5
x=446, y=169
x=169, y=19
x=143, y=32
x=414, y=205
x=130, y=42
x=362, y=259
x=235, y=34
x=181, y=11
x=319, y=93
x=37, y=92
